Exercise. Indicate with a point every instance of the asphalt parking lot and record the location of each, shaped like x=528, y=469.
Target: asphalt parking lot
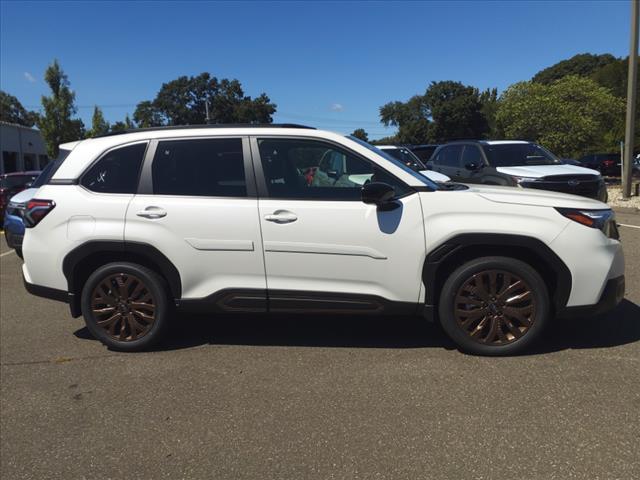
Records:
x=317, y=397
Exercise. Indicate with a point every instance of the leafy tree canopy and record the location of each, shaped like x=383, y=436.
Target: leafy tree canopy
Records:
x=183, y=101
x=56, y=123
x=99, y=126
x=571, y=117
x=361, y=134
x=446, y=111
x=583, y=64
x=12, y=111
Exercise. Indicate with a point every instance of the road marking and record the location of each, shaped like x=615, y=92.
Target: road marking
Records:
x=630, y=226
x=7, y=253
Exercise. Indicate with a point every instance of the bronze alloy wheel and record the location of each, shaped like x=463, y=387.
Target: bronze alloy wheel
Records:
x=495, y=307
x=124, y=307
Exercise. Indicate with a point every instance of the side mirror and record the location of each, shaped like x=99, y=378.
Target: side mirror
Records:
x=472, y=166
x=377, y=193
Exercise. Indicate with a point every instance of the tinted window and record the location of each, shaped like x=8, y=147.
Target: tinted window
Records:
x=424, y=153
x=449, y=156
x=405, y=156
x=310, y=169
x=207, y=167
x=16, y=181
x=471, y=154
x=518, y=154
x=117, y=171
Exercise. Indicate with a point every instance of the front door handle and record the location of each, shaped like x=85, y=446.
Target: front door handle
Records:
x=281, y=216
x=152, y=212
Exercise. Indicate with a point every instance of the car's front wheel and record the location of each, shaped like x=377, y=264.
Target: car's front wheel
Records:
x=494, y=306
x=125, y=306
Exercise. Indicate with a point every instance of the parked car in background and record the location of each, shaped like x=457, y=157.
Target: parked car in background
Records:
x=407, y=157
x=222, y=219
x=12, y=183
x=515, y=163
x=13, y=224
x=423, y=152
x=608, y=164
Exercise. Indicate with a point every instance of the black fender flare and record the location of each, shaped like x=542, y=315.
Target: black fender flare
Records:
x=460, y=244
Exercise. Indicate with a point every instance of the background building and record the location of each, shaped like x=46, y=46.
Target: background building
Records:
x=22, y=148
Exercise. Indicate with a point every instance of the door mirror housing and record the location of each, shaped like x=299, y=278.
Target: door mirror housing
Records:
x=473, y=166
x=378, y=193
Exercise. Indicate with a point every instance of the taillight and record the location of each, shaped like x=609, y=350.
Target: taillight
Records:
x=36, y=210
x=608, y=163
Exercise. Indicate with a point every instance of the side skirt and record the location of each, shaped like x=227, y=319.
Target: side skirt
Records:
x=292, y=301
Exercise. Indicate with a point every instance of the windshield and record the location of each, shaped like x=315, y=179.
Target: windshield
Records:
x=405, y=156
x=519, y=154
x=426, y=181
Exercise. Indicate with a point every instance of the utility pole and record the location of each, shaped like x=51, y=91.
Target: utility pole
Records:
x=631, y=102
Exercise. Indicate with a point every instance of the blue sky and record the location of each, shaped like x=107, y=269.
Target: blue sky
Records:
x=327, y=64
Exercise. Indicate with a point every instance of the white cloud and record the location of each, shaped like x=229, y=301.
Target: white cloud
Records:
x=29, y=77
x=337, y=107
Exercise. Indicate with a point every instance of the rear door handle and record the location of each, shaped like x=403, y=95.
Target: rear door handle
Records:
x=281, y=216
x=152, y=212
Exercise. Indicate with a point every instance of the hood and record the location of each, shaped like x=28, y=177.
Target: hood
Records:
x=24, y=196
x=435, y=176
x=538, y=171
x=530, y=196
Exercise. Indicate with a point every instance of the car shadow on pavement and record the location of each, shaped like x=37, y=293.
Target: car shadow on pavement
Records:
x=619, y=327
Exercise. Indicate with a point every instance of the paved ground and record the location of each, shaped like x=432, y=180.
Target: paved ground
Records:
x=316, y=398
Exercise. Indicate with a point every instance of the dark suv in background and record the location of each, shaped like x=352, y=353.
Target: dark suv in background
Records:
x=423, y=152
x=608, y=164
x=515, y=163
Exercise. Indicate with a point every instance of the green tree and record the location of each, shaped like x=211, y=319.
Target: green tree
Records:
x=457, y=112
x=99, y=126
x=411, y=118
x=56, y=123
x=583, y=64
x=183, y=101
x=446, y=111
x=361, y=134
x=120, y=126
x=12, y=111
x=571, y=116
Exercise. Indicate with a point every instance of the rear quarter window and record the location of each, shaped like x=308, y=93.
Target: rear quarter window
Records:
x=117, y=171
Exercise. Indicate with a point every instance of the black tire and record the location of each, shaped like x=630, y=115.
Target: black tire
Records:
x=156, y=304
x=19, y=252
x=467, y=313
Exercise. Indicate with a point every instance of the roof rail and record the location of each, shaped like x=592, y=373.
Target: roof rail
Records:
x=209, y=125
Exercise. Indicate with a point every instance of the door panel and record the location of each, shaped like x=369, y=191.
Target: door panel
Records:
x=200, y=215
x=322, y=241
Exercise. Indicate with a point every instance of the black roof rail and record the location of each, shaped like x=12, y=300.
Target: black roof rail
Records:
x=208, y=125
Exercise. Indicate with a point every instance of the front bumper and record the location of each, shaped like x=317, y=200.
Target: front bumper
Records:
x=612, y=295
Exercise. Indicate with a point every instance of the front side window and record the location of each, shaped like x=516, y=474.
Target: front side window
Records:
x=449, y=156
x=117, y=171
x=471, y=155
x=200, y=167
x=311, y=169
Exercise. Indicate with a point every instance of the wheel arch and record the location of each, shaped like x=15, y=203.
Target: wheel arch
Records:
x=80, y=262
x=448, y=256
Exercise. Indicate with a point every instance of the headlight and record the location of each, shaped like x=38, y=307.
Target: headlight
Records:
x=521, y=180
x=603, y=220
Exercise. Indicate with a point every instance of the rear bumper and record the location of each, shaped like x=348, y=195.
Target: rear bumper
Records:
x=612, y=295
x=53, y=294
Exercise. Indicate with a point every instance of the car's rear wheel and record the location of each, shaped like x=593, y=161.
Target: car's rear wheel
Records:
x=125, y=306
x=494, y=306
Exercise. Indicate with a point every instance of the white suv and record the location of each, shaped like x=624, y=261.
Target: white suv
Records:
x=246, y=219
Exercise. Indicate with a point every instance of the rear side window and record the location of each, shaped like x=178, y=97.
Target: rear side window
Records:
x=202, y=167
x=117, y=171
x=470, y=155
